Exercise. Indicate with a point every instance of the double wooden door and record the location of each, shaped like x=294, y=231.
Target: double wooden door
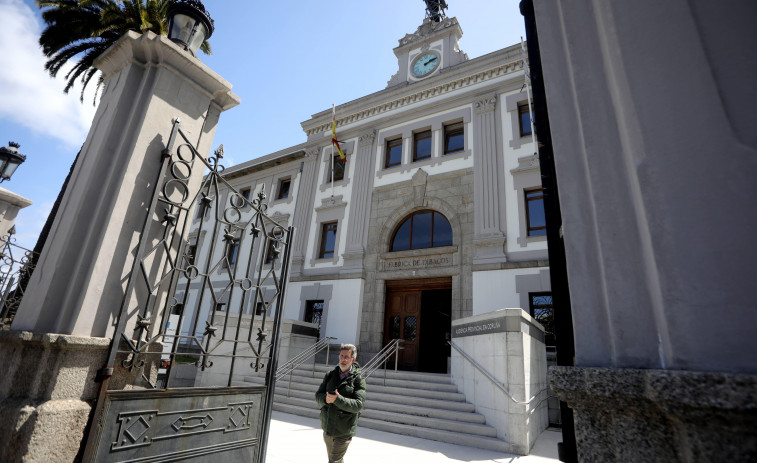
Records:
x=403, y=321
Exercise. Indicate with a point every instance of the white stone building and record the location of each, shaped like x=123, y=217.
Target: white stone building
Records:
x=436, y=214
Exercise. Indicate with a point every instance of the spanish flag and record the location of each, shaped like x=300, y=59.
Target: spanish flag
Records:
x=334, y=141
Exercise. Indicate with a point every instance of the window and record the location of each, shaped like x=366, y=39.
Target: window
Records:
x=232, y=252
x=203, y=206
x=177, y=309
x=190, y=253
x=220, y=307
x=393, y=153
x=536, y=224
x=422, y=145
x=328, y=240
x=423, y=229
x=454, y=138
x=338, y=170
x=284, y=185
x=271, y=251
x=259, y=308
x=245, y=192
x=542, y=310
x=524, y=117
x=314, y=312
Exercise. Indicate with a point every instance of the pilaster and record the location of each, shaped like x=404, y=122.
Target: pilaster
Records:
x=360, y=203
x=489, y=237
x=303, y=212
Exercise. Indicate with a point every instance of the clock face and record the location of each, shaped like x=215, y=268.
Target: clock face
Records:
x=425, y=64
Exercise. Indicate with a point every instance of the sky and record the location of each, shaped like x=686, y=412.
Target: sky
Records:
x=286, y=60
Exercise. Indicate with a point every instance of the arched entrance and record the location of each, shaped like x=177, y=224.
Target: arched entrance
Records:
x=419, y=311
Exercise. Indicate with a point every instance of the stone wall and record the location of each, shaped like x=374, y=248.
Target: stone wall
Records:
x=509, y=345
x=452, y=195
x=47, y=390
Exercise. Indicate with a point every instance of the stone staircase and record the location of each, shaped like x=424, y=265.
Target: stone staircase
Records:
x=423, y=405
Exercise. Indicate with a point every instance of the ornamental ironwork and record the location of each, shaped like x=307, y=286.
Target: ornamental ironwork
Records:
x=202, y=309
x=435, y=9
x=16, y=266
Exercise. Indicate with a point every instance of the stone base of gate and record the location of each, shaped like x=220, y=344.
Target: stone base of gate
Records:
x=669, y=416
x=47, y=390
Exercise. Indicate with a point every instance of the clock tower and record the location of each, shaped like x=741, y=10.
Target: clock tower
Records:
x=431, y=49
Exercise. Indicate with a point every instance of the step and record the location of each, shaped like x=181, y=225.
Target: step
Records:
x=382, y=407
x=443, y=378
x=388, y=401
x=459, y=438
x=410, y=420
x=308, y=383
x=424, y=405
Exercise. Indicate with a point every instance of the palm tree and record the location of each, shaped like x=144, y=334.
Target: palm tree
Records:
x=86, y=28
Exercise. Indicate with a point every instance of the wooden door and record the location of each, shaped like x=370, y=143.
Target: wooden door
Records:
x=403, y=321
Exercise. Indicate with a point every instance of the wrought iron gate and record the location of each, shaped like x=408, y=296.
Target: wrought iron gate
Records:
x=209, y=272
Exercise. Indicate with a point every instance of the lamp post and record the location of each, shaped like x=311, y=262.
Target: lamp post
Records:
x=189, y=24
x=10, y=159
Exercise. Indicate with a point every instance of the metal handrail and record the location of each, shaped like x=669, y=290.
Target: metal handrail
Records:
x=292, y=364
x=390, y=349
x=497, y=382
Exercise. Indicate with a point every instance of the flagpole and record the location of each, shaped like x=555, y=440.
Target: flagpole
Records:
x=333, y=115
x=528, y=92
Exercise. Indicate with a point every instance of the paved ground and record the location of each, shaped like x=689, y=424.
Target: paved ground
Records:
x=295, y=439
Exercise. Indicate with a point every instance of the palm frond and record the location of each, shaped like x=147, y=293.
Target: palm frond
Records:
x=84, y=29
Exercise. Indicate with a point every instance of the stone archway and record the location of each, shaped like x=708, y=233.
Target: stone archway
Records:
x=449, y=194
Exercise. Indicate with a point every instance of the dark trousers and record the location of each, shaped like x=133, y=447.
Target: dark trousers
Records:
x=336, y=447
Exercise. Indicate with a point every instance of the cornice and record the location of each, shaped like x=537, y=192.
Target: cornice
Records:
x=526, y=164
x=149, y=49
x=450, y=82
x=427, y=30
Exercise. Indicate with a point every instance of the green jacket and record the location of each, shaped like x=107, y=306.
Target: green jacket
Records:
x=340, y=418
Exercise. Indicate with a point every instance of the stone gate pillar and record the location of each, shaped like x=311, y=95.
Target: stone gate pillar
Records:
x=74, y=296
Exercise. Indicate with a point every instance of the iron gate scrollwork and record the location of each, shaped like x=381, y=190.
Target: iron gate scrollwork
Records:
x=210, y=271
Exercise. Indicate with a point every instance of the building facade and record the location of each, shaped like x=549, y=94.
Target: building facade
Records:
x=435, y=215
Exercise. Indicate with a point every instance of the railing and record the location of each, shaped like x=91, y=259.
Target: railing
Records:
x=390, y=349
x=289, y=367
x=16, y=265
x=497, y=382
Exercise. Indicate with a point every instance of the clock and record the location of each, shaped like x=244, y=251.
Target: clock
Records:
x=425, y=64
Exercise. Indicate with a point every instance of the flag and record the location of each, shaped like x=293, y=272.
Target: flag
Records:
x=334, y=141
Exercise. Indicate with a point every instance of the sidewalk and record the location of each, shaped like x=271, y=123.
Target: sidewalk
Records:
x=295, y=439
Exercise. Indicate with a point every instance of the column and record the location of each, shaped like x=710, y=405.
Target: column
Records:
x=360, y=203
x=303, y=212
x=48, y=382
x=489, y=218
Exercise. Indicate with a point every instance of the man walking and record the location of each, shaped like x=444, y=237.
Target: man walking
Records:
x=341, y=397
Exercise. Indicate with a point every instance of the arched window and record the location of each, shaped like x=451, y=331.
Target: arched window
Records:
x=422, y=229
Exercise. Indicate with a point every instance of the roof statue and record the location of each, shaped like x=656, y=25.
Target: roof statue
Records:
x=435, y=9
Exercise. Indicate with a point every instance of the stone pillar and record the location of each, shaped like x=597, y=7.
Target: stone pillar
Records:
x=78, y=286
x=360, y=203
x=10, y=204
x=48, y=384
x=508, y=346
x=655, y=173
x=303, y=212
x=490, y=227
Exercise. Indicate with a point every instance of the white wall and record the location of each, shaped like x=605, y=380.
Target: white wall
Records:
x=343, y=313
x=495, y=289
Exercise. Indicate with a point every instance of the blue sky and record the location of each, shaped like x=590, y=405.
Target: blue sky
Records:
x=286, y=60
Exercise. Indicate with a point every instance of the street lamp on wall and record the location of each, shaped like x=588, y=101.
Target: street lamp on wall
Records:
x=189, y=24
x=10, y=159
